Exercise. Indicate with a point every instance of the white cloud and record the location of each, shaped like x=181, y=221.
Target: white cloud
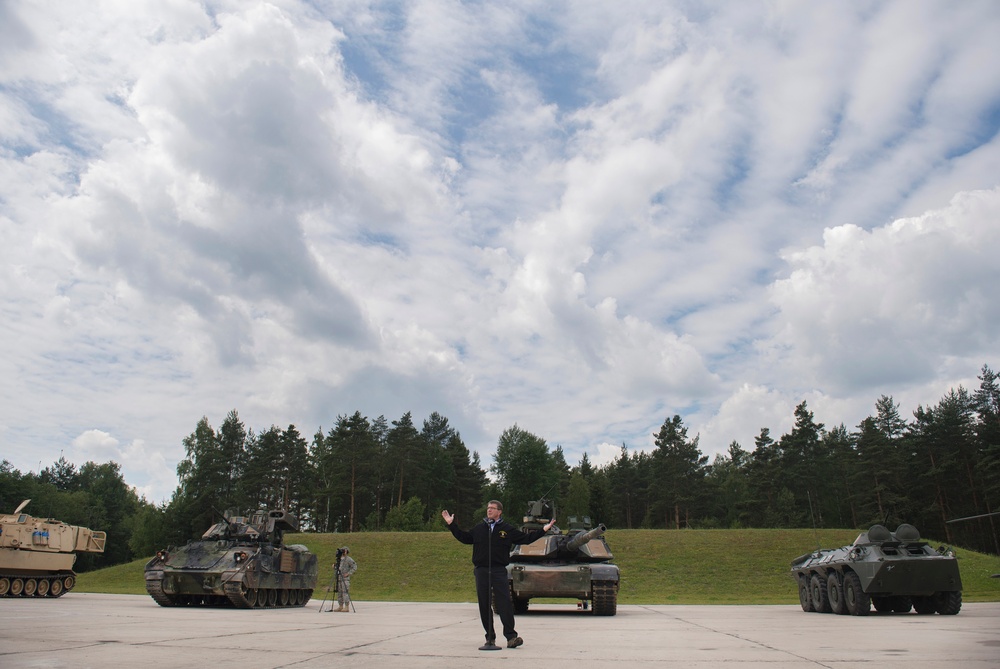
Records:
x=898, y=304
x=582, y=222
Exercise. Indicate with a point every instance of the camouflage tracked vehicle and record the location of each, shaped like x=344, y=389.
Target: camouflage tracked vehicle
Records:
x=37, y=556
x=574, y=565
x=238, y=562
x=894, y=571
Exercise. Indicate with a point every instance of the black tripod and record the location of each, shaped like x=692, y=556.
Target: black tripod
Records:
x=338, y=583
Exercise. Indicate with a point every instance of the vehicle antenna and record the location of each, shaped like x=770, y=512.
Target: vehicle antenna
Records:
x=812, y=517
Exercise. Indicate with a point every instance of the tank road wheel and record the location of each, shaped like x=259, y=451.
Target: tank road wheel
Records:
x=924, y=605
x=835, y=593
x=68, y=583
x=56, y=588
x=30, y=587
x=605, y=598
x=858, y=602
x=252, y=597
x=43, y=587
x=4, y=586
x=272, y=597
x=948, y=603
x=817, y=592
x=805, y=599
x=16, y=587
x=283, y=597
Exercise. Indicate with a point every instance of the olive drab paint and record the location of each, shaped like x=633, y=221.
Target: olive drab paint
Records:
x=240, y=561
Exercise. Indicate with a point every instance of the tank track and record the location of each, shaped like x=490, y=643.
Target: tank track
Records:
x=242, y=598
x=605, y=598
x=33, y=585
x=236, y=596
x=155, y=590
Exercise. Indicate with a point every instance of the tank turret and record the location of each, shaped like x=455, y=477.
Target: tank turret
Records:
x=576, y=564
x=37, y=555
x=240, y=562
x=894, y=571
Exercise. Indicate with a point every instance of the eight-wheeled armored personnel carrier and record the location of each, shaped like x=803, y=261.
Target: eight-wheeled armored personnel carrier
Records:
x=574, y=565
x=239, y=562
x=37, y=555
x=894, y=571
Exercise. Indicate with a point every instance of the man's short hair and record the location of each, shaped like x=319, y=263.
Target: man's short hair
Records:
x=498, y=504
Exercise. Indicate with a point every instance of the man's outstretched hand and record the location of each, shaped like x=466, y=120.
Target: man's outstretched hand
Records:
x=447, y=517
x=549, y=526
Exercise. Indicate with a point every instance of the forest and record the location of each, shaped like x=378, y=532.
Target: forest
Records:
x=939, y=470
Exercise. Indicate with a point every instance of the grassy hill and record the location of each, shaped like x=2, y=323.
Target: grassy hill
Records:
x=657, y=566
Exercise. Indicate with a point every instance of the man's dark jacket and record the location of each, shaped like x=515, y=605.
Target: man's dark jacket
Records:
x=495, y=549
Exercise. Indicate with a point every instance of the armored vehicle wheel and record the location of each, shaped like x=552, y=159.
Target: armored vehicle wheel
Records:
x=924, y=605
x=43, y=587
x=68, y=583
x=272, y=598
x=858, y=602
x=56, y=588
x=4, y=587
x=16, y=587
x=948, y=603
x=30, y=587
x=817, y=592
x=605, y=600
x=835, y=593
x=282, y=597
x=805, y=599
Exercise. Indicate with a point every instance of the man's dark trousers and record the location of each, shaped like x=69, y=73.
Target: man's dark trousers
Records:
x=501, y=591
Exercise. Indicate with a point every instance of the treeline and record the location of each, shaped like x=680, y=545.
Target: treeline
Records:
x=941, y=466
x=372, y=474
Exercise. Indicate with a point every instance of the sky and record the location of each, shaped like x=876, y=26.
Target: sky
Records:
x=580, y=218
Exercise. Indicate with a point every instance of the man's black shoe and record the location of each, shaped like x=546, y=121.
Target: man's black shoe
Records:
x=514, y=642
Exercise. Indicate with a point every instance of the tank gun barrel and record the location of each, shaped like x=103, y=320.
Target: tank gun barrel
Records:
x=582, y=538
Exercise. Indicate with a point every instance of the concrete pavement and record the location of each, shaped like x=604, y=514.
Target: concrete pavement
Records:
x=83, y=630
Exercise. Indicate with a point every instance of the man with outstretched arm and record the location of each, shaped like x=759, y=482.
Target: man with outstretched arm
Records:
x=491, y=540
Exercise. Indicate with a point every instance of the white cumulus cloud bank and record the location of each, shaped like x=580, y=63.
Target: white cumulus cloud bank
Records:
x=582, y=218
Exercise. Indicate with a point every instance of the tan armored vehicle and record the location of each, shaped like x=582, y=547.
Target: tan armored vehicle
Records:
x=574, y=565
x=37, y=555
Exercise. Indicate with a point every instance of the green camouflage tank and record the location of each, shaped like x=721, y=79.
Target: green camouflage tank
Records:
x=238, y=562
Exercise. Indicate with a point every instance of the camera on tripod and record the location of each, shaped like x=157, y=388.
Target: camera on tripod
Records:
x=340, y=553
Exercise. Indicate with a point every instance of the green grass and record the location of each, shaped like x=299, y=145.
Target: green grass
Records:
x=657, y=566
